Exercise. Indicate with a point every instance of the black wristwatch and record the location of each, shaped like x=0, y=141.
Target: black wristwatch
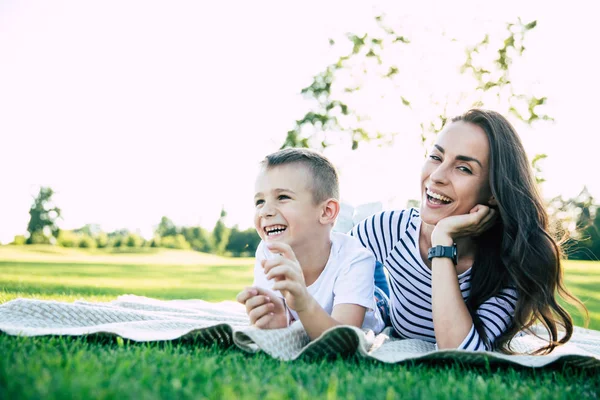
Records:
x=444, y=251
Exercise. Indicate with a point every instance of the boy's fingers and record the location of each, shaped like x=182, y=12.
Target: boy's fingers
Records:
x=275, y=262
x=259, y=312
x=263, y=321
x=282, y=248
x=285, y=285
x=256, y=301
x=245, y=294
x=282, y=272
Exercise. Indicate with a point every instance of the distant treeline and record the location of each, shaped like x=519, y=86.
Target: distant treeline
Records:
x=221, y=240
x=576, y=221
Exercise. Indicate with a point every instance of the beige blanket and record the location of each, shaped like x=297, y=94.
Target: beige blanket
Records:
x=143, y=319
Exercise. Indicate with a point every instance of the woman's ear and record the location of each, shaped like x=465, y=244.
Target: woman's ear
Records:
x=492, y=201
x=330, y=211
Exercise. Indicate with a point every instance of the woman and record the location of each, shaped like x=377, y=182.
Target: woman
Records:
x=476, y=264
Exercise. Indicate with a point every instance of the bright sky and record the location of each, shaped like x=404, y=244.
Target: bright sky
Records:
x=132, y=110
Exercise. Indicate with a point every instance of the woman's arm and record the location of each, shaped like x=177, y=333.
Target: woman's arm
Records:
x=453, y=325
x=451, y=319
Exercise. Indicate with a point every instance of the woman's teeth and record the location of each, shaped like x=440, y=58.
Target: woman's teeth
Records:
x=440, y=199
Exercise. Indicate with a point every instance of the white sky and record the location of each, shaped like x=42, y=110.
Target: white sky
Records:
x=132, y=110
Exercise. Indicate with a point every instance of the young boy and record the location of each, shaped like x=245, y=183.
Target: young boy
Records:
x=303, y=270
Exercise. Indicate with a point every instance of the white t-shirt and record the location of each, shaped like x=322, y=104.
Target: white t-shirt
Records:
x=348, y=278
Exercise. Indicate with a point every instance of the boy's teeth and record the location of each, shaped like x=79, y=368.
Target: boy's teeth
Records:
x=274, y=230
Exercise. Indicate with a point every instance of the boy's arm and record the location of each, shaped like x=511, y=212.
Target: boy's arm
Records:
x=315, y=319
x=289, y=279
x=265, y=308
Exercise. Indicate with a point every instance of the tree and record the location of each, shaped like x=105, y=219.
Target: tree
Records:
x=166, y=227
x=221, y=234
x=198, y=238
x=43, y=214
x=243, y=243
x=371, y=75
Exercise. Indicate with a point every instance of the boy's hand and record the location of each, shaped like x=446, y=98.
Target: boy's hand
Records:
x=265, y=309
x=288, y=275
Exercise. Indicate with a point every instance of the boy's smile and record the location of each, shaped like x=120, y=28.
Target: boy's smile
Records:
x=284, y=206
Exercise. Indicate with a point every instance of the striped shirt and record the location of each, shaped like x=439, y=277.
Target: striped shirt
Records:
x=393, y=237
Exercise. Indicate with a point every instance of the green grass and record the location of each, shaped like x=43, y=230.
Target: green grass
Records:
x=54, y=367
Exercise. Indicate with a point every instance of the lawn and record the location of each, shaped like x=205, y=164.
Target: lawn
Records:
x=49, y=368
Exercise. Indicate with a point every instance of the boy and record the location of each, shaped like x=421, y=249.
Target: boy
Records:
x=303, y=270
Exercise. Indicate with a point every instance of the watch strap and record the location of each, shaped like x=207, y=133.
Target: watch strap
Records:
x=443, y=251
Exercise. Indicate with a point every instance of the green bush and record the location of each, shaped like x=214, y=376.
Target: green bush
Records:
x=175, y=242
x=38, y=238
x=87, y=242
x=67, y=239
x=19, y=240
x=102, y=241
x=133, y=240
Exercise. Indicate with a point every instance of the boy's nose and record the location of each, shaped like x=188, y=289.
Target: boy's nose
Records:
x=267, y=210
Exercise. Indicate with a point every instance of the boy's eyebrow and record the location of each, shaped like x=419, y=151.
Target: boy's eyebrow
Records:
x=278, y=190
x=461, y=158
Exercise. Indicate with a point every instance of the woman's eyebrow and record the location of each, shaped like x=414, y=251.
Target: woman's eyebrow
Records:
x=461, y=158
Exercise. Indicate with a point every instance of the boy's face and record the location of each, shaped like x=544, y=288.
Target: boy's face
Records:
x=284, y=206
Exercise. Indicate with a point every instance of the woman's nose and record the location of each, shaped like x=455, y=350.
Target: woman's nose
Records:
x=440, y=174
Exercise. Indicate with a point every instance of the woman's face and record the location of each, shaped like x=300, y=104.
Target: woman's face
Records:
x=455, y=176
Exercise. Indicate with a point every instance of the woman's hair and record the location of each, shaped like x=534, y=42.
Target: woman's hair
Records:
x=518, y=252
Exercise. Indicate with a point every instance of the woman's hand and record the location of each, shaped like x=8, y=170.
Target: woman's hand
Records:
x=480, y=219
x=288, y=275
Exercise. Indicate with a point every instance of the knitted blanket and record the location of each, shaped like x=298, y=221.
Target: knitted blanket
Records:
x=143, y=319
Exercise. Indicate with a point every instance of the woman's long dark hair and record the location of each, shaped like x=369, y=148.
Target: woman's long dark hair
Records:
x=519, y=251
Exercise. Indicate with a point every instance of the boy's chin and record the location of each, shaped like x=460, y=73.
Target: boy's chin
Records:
x=278, y=239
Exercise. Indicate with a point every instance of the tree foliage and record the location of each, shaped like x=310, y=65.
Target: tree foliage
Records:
x=43, y=214
x=243, y=243
x=579, y=219
x=372, y=68
x=221, y=234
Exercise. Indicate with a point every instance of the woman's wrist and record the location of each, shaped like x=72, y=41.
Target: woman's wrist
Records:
x=439, y=238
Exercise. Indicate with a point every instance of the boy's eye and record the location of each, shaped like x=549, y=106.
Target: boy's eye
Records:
x=283, y=197
x=258, y=202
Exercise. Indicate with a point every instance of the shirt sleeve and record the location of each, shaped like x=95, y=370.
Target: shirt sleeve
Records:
x=496, y=315
x=260, y=279
x=379, y=233
x=355, y=283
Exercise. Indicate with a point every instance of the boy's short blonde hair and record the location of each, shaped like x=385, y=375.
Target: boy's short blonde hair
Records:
x=325, y=182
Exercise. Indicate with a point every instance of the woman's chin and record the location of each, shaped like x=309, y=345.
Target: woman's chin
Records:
x=431, y=215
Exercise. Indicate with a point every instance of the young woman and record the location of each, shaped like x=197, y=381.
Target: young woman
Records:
x=476, y=264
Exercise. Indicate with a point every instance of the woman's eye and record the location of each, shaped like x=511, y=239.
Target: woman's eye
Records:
x=258, y=202
x=434, y=157
x=465, y=169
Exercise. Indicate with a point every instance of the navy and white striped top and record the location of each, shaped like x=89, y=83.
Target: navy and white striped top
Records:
x=393, y=236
